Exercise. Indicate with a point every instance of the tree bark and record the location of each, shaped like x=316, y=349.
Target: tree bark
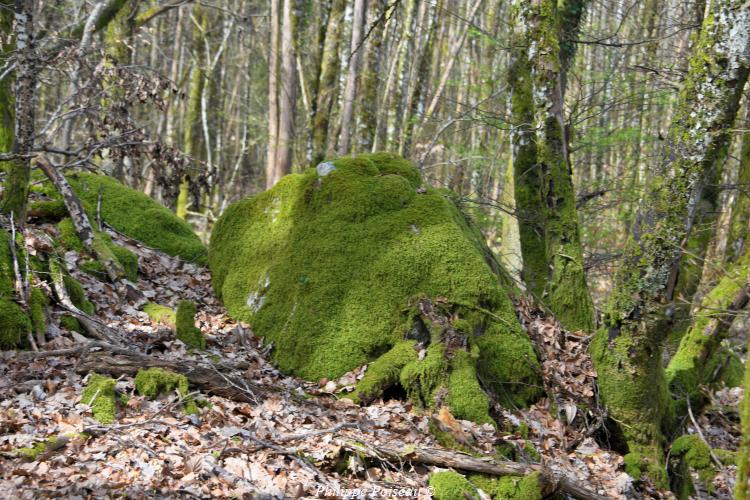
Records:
x=627, y=350
x=545, y=182
x=191, y=142
x=18, y=170
x=328, y=82
x=347, y=111
x=287, y=96
x=273, y=93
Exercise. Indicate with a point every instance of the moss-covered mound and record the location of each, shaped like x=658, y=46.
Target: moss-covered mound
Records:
x=129, y=212
x=343, y=263
x=15, y=321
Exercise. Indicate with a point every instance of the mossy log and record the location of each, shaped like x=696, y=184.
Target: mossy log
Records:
x=208, y=379
x=549, y=481
x=339, y=265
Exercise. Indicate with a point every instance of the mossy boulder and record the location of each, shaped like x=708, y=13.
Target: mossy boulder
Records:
x=357, y=262
x=128, y=211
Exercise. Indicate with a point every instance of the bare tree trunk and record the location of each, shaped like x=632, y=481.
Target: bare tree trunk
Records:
x=328, y=82
x=347, y=112
x=273, y=94
x=287, y=97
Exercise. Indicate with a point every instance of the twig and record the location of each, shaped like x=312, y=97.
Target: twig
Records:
x=306, y=435
x=701, y=436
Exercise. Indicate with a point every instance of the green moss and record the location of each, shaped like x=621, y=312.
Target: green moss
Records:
x=70, y=323
x=700, y=356
x=48, y=209
x=450, y=485
x=138, y=216
x=99, y=394
x=14, y=320
x=15, y=324
x=325, y=268
x=696, y=455
x=466, y=398
x=31, y=454
x=421, y=378
x=127, y=259
x=37, y=303
x=94, y=268
x=185, y=325
x=68, y=236
x=384, y=371
x=634, y=465
x=509, y=487
x=155, y=381
x=160, y=314
x=103, y=243
x=78, y=295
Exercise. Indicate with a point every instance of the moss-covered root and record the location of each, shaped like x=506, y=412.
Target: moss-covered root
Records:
x=384, y=371
x=186, y=329
x=160, y=314
x=742, y=490
x=152, y=382
x=691, y=460
x=99, y=394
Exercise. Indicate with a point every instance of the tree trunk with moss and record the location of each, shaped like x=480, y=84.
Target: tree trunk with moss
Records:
x=118, y=42
x=328, y=83
x=7, y=102
x=18, y=171
x=191, y=142
x=742, y=489
x=544, y=182
x=627, y=349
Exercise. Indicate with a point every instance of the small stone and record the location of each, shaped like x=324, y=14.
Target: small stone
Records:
x=325, y=168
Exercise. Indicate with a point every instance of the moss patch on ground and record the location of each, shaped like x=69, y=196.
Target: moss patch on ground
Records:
x=130, y=212
x=450, y=485
x=99, y=394
x=328, y=269
x=185, y=325
x=510, y=487
x=160, y=314
x=152, y=382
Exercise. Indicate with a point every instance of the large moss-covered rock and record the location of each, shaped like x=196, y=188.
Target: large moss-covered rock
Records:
x=345, y=263
x=128, y=211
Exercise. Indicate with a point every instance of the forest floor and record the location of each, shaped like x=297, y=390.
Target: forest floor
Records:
x=292, y=439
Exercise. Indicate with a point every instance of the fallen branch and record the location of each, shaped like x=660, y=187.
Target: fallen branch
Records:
x=203, y=377
x=86, y=234
x=551, y=482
